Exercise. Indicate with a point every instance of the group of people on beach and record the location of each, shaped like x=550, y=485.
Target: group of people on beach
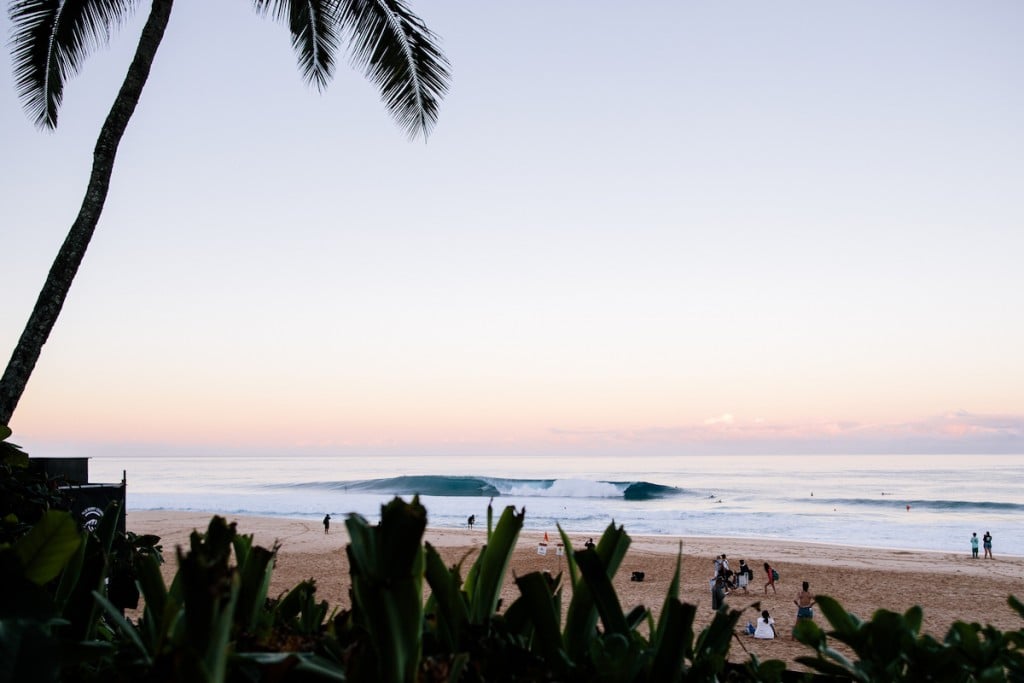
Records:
x=724, y=580
x=765, y=628
x=986, y=542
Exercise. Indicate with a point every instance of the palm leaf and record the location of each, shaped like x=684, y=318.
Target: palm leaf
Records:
x=314, y=28
x=401, y=56
x=50, y=40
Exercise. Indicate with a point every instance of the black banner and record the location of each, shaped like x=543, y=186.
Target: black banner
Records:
x=90, y=501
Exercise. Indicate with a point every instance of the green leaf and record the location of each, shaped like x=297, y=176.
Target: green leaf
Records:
x=574, y=572
x=123, y=625
x=603, y=593
x=458, y=667
x=581, y=618
x=47, y=547
x=845, y=624
x=658, y=636
x=913, y=618
x=255, y=569
x=1016, y=605
x=449, y=602
x=484, y=585
x=538, y=598
x=668, y=649
x=387, y=565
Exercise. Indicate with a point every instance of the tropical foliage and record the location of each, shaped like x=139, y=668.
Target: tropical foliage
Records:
x=59, y=620
x=890, y=647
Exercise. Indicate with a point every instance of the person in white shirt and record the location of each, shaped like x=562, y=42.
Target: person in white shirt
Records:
x=765, y=626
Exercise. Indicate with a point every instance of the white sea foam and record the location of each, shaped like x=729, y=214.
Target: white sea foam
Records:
x=568, y=488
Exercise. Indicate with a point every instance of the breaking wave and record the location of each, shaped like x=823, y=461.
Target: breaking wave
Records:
x=489, y=487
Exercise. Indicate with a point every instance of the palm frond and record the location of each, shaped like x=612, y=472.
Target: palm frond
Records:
x=50, y=40
x=401, y=56
x=314, y=28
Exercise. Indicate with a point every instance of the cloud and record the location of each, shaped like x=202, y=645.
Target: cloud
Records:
x=954, y=432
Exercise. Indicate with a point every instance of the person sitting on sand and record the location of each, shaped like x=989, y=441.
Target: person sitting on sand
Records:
x=765, y=627
x=804, y=603
x=771, y=578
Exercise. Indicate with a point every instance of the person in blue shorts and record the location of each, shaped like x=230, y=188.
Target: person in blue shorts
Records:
x=804, y=603
x=986, y=542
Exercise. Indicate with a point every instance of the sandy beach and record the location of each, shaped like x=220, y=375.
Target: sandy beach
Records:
x=947, y=586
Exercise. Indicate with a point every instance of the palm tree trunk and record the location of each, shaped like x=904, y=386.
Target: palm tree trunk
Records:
x=69, y=258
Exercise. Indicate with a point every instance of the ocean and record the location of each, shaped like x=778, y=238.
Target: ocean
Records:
x=920, y=502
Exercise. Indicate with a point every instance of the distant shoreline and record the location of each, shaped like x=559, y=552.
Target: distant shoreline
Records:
x=481, y=524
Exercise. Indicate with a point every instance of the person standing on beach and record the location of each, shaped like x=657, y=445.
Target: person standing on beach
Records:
x=327, y=524
x=743, y=576
x=974, y=545
x=804, y=603
x=718, y=593
x=986, y=541
x=470, y=521
x=771, y=578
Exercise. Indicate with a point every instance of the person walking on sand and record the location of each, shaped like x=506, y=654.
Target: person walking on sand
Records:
x=986, y=541
x=804, y=603
x=471, y=521
x=771, y=579
x=974, y=545
x=327, y=524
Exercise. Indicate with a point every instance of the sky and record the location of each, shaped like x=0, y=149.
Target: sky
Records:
x=654, y=228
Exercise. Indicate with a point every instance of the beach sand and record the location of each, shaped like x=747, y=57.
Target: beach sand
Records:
x=948, y=586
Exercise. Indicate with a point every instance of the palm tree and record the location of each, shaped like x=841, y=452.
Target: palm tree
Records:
x=52, y=37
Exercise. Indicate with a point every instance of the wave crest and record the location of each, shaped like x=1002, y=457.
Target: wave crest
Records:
x=488, y=487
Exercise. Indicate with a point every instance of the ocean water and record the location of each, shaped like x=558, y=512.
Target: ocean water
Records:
x=899, y=502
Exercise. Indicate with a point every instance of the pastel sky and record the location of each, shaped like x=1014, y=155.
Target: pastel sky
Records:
x=652, y=227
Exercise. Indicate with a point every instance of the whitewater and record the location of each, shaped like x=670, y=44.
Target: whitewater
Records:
x=931, y=502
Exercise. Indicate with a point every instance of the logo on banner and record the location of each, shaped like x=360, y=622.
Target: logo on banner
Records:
x=91, y=517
